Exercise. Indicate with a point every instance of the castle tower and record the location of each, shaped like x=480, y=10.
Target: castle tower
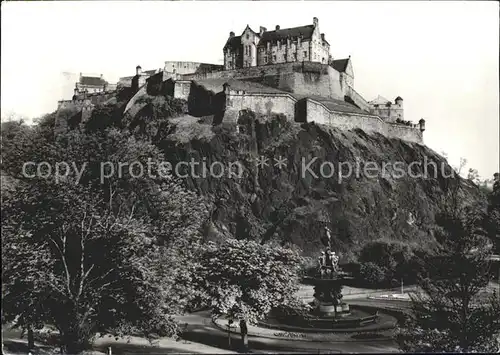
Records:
x=398, y=110
x=399, y=101
x=421, y=123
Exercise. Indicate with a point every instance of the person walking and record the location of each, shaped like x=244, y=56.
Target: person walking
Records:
x=244, y=334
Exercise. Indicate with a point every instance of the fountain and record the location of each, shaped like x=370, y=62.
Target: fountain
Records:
x=329, y=313
x=328, y=284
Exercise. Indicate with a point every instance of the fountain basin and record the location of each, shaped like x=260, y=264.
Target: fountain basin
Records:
x=359, y=319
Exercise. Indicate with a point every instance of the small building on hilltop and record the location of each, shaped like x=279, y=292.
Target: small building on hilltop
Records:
x=387, y=110
x=91, y=84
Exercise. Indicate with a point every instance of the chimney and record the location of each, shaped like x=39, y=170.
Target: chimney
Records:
x=262, y=30
x=138, y=70
x=315, y=21
x=231, y=34
x=277, y=27
x=323, y=36
x=75, y=91
x=101, y=76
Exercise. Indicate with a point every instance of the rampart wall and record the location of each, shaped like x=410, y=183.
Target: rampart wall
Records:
x=357, y=99
x=319, y=113
x=303, y=78
x=263, y=104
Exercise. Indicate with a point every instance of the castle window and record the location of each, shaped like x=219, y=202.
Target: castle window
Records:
x=295, y=56
x=265, y=59
x=305, y=54
x=274, y=58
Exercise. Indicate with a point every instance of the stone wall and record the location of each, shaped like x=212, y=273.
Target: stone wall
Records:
x=183, y=67
x=389, y=114
x=263, y=104
x=409, y=133
x=319, y=113
x=325, y=84
x=307, y=78
x=357, y=98
x=242, y=73
x=182, y=89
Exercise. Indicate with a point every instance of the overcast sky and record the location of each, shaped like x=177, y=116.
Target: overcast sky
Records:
x=441, y=57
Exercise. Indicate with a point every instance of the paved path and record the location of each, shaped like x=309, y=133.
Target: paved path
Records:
x=202, y=336
x=128, y=345
x=203, y=330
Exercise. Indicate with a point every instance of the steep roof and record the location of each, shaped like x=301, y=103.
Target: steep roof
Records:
x=338, y=105
x=340, y=65
x=305, y=31
x=150, y=72
x=233, y=42
x=379, y=100
x=92, y=81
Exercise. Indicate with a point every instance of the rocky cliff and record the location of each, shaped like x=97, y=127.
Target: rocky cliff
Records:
x=294, y=203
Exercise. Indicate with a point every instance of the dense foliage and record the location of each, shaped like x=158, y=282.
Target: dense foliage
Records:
x=386, y=264
x=244, y=279
x=452, y=314
x=93, y=250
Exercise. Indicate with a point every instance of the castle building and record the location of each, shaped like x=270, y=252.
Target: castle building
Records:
x=297, y=44
x=138, y=79
x=344, y=67
x=387, y=110
x=91, y=84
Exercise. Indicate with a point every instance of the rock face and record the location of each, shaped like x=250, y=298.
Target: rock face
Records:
x=291, y=204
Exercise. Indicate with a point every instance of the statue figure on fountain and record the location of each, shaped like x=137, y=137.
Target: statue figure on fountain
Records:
x=328, y=261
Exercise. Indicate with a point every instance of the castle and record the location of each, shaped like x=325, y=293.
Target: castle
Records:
x=288, y=71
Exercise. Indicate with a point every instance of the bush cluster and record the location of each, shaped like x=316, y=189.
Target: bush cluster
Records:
x=385, y=264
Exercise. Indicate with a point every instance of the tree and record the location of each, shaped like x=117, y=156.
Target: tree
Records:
x=97, y=255
x=493, y=213
x=245, y=280
x=473, y=176
x=372, y=273
x=452, y=314
x=393, y=261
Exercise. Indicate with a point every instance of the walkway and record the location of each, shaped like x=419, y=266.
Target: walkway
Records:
x=204, y=331
x=203, y=337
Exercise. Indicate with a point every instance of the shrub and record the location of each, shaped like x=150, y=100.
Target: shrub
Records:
x=372, y=273
x=396, y=259
x=292, y=310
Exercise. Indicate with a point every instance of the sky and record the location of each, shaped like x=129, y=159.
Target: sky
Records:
x=441, y=57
